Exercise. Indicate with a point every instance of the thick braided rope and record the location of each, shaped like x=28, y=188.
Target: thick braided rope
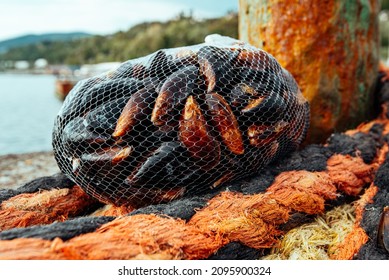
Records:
x=250, y=219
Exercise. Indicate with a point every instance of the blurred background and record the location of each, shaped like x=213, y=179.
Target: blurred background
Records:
x=46, y=46
x=384, y=31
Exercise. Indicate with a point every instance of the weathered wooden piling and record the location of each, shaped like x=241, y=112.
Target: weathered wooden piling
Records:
x=330, y=47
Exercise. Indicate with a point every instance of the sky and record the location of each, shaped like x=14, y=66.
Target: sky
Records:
x=21, y=17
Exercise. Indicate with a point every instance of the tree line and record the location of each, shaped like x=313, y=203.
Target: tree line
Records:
x=139, y=40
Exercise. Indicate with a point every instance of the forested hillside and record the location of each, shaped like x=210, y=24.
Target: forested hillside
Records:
x=33, y=39
x=140, y=40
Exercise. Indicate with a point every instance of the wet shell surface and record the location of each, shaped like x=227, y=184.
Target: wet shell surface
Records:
x=178, y=121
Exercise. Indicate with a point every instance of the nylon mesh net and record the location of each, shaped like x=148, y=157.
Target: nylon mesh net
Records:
x=179, y=121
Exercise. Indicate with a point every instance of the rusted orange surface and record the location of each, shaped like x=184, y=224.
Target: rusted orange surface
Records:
x=330, y=47
x=43, y=207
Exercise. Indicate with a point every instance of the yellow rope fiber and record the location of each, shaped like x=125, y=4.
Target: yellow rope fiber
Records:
x=317, y=240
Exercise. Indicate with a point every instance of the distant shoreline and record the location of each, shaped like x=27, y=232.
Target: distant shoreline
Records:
x=18, y=169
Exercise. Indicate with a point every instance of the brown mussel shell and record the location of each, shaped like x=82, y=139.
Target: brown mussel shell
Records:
x=194, y=134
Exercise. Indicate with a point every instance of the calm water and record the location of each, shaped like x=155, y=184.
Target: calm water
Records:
x=28, y=107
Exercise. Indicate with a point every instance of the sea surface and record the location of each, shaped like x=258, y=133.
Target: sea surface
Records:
x=28, y=107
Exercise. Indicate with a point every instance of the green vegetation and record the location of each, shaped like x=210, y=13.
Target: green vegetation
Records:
x=384, y=4
x=384, y=30
x=140, y=40
x=33, y=39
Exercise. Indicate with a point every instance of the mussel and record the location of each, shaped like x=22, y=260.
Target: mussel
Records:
x=180, y=121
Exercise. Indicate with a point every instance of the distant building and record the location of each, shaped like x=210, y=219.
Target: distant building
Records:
x=60, y=70
x=88, y=70
x=40, y=63
x=6, y=64
x=22, y=65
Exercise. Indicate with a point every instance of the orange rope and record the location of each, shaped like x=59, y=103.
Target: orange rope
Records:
x=357, y=237
x=249, y=219
x=43, y=207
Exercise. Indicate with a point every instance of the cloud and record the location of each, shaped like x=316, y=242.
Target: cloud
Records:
x=19, y=17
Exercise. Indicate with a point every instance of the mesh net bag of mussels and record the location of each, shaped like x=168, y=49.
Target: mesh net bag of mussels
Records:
x=179, y=121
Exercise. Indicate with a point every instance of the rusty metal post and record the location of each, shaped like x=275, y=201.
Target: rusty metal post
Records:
x=331, y=48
